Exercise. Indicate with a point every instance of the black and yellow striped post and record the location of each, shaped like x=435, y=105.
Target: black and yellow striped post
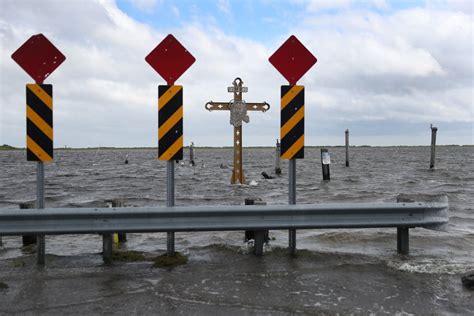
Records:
x=39, y=142
x=170, y=141
x=292, y=122
x=170, y=122
x=39, y=122
x=292, y=141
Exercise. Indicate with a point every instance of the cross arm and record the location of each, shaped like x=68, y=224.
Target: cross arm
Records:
x=263, y=106
x=217, y=106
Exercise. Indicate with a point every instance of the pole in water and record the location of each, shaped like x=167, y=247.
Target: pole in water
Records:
x=347, y=147
x=40, y=240
x=325, y=161
x=170, y=202
x=277, y=158
x=191, y=154
x=434, y=130
x=292, y=201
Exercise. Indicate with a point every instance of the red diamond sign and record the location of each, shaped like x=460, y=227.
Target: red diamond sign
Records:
x=38, y=57
x=170, y=59
x=292, y=60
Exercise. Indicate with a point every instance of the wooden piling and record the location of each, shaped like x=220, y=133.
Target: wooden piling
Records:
x=325, y=164
x=191, y=154
x=434, y=130
x=277, y=158
x=347, y=147
x=28, y=239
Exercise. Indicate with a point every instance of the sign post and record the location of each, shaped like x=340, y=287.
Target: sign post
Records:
x=238, y=114
x=292, y=60
x=39, y=58
x=170, y=60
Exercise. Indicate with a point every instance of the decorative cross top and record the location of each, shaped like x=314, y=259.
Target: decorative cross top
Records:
x=238, y=113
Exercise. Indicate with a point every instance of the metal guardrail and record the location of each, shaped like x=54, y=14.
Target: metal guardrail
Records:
x=220, y=218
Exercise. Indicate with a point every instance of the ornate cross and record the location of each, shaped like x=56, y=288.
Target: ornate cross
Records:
x=238, y=113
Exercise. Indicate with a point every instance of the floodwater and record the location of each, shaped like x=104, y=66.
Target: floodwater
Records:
x=336, y=271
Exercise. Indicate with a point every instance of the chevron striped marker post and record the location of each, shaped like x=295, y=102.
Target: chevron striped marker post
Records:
x=39, y=58
x=170, y=59
x=292, y=60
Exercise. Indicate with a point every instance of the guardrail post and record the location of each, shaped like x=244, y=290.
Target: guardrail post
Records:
x=403, y=240
x=259, y=241
x=27, y=239
x=121, y=237
x=107, y=246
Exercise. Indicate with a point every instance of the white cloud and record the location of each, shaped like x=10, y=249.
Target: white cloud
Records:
x=145, y=5
x=224, y=6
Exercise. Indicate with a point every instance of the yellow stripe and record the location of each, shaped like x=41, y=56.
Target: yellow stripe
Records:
x=173, y=149
x=37, y=150
x=39, y=122
x=298, y=116
x=163, y=129
x=168, y=95
x=294, y=148
x=290, y=95
x=41, y=94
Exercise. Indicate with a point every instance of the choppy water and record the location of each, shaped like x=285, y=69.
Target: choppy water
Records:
x=336, y=270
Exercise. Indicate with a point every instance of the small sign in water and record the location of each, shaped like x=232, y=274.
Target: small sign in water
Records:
x=326, y=158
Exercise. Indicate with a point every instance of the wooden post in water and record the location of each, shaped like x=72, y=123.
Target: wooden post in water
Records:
x=325, y=161
x=277, y=158
x=434, y=130
x=191, y=154
x=347, y=147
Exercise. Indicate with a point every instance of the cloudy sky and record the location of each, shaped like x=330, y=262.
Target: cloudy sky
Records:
x=386, y=69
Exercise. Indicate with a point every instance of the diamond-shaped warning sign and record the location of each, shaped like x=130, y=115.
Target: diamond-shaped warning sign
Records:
x=38, y=57
x=292, y=59
x=170, y=59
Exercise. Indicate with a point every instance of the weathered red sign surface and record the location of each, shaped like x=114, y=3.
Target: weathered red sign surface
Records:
x=38, y=57
x=170, y=59
x=292, y=59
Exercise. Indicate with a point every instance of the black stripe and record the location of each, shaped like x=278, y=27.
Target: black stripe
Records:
x=30, y=156
x=172, y=106
x=293, y=135
x=162, y=90
x=39, y=107
x=170, y=137
x=299, y=154
x=178, y=155
x=285, y=89
x=48, y=88
x=292, y=107
x=39, y=137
